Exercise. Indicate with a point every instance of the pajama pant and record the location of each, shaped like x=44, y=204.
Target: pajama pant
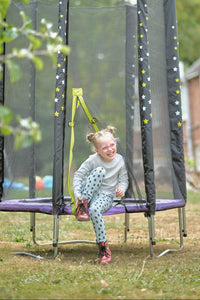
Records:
x=98, y=202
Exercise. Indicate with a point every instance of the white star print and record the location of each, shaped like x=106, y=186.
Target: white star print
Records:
x=177, y=113
x=177, y=102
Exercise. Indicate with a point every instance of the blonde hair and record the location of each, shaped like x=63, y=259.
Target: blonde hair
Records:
x=93, y=137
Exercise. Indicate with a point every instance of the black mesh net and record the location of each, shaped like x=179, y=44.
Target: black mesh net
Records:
x=98, y=63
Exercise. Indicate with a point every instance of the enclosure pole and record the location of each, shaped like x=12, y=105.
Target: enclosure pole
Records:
x=130, y=89
x=33, y=5
x=174, y=98
x=2, y=95
x=145, y=105
x=60, y=110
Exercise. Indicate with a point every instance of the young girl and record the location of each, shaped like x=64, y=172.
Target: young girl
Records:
x=95, y=183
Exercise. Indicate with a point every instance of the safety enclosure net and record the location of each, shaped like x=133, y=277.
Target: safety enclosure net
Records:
x=105, y=61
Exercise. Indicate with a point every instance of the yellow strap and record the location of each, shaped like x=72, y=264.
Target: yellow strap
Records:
x=76, y=101
x=92, y=120
x=71, y=124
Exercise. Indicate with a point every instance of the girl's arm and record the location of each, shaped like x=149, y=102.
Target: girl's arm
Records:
x=79, y=176
x=123, y=181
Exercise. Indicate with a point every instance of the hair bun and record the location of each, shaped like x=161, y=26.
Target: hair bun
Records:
x=90, y=137
x=110, y=129
x=93, y=137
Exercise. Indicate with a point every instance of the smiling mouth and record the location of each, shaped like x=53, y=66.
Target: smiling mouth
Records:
x=111, y=154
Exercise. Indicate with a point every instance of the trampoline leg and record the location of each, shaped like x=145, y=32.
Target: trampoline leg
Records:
x=32, y=226
x=180, y=227
x=55, y=234
x=126, y=226
x=184, y=230
x=151, y=233
x=181, y=230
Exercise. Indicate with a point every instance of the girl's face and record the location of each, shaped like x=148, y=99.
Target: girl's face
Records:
x=107, y=148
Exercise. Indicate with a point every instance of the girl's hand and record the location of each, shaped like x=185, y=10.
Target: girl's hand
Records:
x=78, y=199
x=119, y=192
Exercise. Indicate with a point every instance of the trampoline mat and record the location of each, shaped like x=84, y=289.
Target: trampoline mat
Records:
x=44, y=205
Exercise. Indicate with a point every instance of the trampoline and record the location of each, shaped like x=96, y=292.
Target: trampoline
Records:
x=129, y=73
x=127, y=206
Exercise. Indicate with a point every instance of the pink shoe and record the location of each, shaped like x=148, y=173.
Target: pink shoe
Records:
x=105, y=253
x=81, y=210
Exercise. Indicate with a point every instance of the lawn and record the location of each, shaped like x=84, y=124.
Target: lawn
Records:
x=76, y=273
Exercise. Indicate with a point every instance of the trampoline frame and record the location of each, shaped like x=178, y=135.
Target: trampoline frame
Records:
x=151, y=227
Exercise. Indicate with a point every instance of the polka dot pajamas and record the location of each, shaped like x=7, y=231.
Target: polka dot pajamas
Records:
x=98, y=202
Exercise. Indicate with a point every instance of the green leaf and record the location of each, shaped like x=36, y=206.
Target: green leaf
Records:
x=31, y=130
x=37, y=136
x=65, y=50
x=6, y=130
x=4, y=5
x=19, y=139
x=38, y=62
x=10, y=34
x=35, y=42
x=27, y=141
x=27, y=23
x=6, y=115
x=15, y=72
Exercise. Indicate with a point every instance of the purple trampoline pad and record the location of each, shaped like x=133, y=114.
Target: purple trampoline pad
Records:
x=44, y=205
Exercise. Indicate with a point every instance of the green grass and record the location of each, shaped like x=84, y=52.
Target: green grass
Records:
x=193, y=197
x=76, y=273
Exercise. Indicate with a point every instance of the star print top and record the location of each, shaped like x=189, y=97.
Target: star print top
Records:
x=116, y=173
